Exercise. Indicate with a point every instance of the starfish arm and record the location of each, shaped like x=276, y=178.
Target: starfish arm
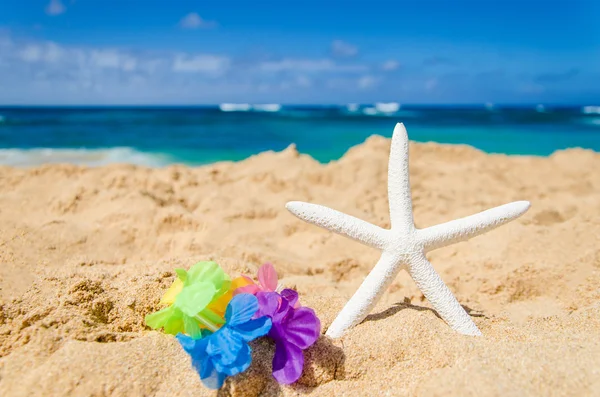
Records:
x=440, y=296
x=401, y=213
x=338, y=222
x=463, y=229
x=367, y=295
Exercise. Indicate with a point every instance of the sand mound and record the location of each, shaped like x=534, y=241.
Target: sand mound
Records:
x=85, y=253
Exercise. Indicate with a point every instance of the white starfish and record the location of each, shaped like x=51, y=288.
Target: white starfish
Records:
x=404, y=246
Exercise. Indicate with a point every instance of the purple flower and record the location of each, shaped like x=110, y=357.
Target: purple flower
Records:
x=293, y=330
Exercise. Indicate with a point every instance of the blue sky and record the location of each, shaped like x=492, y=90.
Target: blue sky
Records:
x=203, y=52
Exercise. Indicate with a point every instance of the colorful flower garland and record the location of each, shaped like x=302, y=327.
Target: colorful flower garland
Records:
x=215, y=317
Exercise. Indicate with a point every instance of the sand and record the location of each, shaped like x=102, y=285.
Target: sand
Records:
x=85, y=253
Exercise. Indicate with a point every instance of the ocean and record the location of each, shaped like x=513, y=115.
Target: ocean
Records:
x=158, y=136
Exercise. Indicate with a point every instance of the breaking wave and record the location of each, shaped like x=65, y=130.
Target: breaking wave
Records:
x=88, y=157
x=246, y=107
x=235, y=107
x=591, y=110
x=269, y=107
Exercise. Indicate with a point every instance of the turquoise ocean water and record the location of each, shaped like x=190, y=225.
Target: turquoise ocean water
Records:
x=157, y=136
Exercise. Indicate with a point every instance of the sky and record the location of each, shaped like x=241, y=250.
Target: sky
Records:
x=113, y=52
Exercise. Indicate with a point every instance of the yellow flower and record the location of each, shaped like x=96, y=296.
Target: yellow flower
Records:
x=174, y=290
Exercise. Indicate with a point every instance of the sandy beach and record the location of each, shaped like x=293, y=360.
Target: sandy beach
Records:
x=86, y=253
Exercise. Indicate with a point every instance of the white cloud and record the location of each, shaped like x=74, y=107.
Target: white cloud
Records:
x=31, y=53
x=53, y=73
x=366, y=82
x=112, y=59
x=211, y=64
x=54, y=55
x=50, y=72
x=390, y=65
x=105, y=58
x=5, y=40
x=341, y=48
x=55, y=7
x=308, y=66
x=46, y=52
x=35, y=71
x=153, y=65
x=195, y=21
x=129, y=64
x=54, y=52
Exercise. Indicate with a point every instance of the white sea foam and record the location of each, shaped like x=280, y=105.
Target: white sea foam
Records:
x=370, y=111
x=595, y=121
x=390, y=107
x=89, y=157
x=382, y=108
x=235, y=107
x=591, y=110
x=269, y=107
x=352, y=107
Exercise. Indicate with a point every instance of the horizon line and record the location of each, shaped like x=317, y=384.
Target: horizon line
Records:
x=217, y=105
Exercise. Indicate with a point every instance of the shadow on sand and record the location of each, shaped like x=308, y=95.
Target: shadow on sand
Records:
x=408, y=305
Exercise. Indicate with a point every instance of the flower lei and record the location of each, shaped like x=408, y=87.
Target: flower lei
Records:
x=214, y=318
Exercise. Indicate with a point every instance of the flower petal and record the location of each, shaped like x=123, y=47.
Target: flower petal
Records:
x=194, y=298
x=267, y=276
x=181, y=274
x=219, y=305
x=302, y=328
x=241, y=309
x=224, y=346
x=191, y=327
x=248, y=279
x=247, y=289
x=212, y=378
x=171, y=294
x=241, y=281
x=273, y=305
x=205, y=367
x=241, y=363
x=291, y=296
x=160, y=318
x=175, y=324
x=253, y=329
x=201, y=361
x=206, y=272
x=194, y=347
x=288, y=363
x=268, y=303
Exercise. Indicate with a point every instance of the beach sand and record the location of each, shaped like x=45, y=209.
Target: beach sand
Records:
x=86, y=253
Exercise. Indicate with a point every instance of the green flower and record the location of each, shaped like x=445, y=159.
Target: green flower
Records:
x=194, y=301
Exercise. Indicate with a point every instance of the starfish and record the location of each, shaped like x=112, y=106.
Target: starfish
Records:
x=404, y=246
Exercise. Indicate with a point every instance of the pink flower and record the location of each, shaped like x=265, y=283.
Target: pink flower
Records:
x=267, y=282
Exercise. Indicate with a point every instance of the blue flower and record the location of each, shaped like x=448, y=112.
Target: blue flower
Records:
x=226, y=352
